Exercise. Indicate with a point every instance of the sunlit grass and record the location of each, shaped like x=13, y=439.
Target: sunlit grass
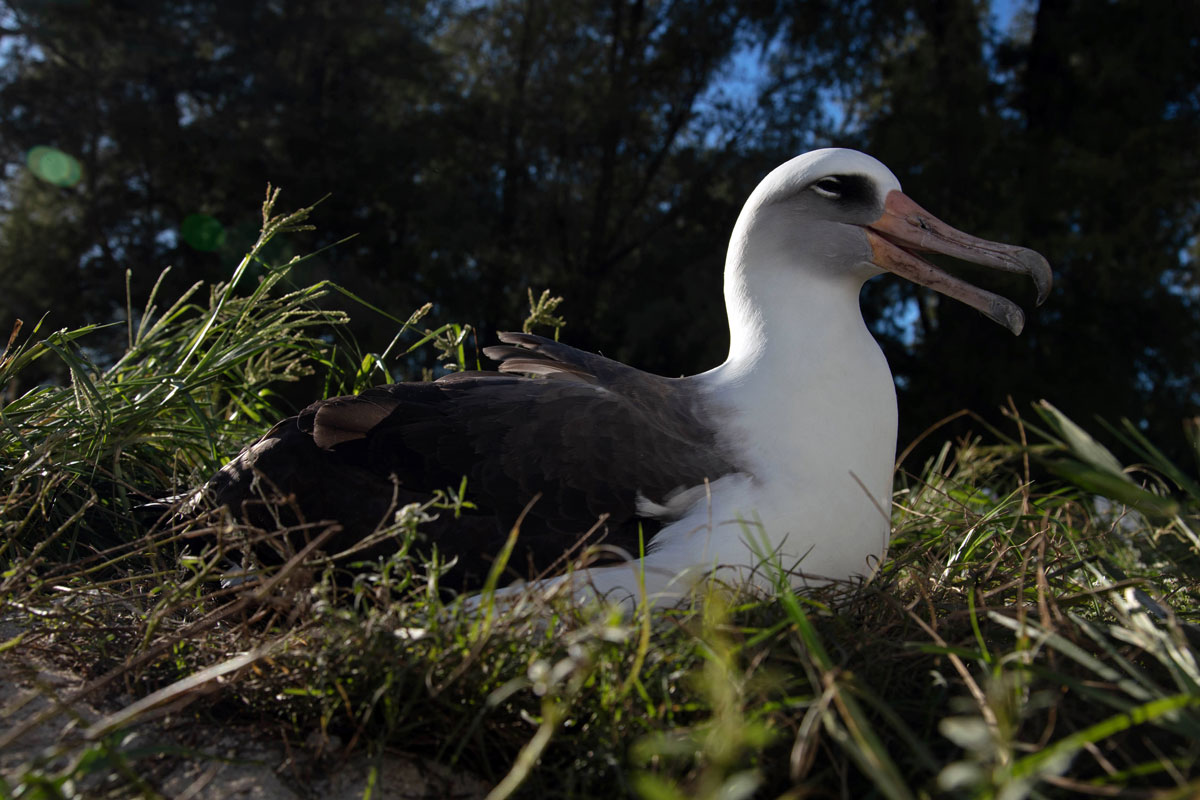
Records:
x=1020, y=641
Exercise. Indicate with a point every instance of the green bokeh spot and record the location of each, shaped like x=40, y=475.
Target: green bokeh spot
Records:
x=202, y=232
x=54, y=166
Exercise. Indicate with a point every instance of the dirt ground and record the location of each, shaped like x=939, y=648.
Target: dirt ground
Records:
x=202, y=761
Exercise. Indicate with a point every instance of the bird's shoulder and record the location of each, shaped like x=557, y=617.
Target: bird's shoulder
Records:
x=566, y=375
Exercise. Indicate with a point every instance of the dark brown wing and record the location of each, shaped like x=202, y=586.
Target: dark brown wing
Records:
x=587, y=440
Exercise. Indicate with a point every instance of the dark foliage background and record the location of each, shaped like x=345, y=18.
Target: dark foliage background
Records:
x=603, y=149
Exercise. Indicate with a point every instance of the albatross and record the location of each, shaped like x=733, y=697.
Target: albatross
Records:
x=781, y=455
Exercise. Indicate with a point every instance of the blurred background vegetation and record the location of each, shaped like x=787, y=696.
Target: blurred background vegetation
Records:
x=603, y=149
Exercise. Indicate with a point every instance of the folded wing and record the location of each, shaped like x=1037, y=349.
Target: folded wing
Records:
x=587, y=440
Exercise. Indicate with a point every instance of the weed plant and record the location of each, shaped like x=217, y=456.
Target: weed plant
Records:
x=1028, y=636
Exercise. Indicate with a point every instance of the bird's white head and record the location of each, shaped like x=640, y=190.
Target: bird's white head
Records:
x=820, y=225
x=808, y=213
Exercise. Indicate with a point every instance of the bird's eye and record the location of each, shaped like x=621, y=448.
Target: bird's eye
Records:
x=830, y=187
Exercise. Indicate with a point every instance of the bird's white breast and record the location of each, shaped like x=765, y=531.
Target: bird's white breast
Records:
x=816, y=440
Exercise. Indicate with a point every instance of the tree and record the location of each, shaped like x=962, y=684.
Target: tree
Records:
x=471, y=151
x=599, y=175
x=176, y=109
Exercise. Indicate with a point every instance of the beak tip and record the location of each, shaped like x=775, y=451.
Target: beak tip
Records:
x=1043, y=277
x=1008, y=315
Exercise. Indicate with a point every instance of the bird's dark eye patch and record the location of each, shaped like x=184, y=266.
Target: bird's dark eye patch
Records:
x=845, y=189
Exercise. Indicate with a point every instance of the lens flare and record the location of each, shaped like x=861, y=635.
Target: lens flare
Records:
x=54, y=166
x=202, y=232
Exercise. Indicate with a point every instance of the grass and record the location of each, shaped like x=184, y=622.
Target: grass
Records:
x=1021, y=640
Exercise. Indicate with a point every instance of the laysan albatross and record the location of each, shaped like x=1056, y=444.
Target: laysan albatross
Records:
x=783, y=452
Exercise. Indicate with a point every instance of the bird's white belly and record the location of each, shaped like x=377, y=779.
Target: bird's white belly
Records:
x=834, y=529
x=745, y=532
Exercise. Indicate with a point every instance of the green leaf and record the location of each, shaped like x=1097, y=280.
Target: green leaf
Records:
x=1115, y=487
x=1080, y=442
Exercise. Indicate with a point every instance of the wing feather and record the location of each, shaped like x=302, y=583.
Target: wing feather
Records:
x=608, y=441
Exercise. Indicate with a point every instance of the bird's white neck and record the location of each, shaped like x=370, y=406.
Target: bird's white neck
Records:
x=786, y=329
x=807, y=385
